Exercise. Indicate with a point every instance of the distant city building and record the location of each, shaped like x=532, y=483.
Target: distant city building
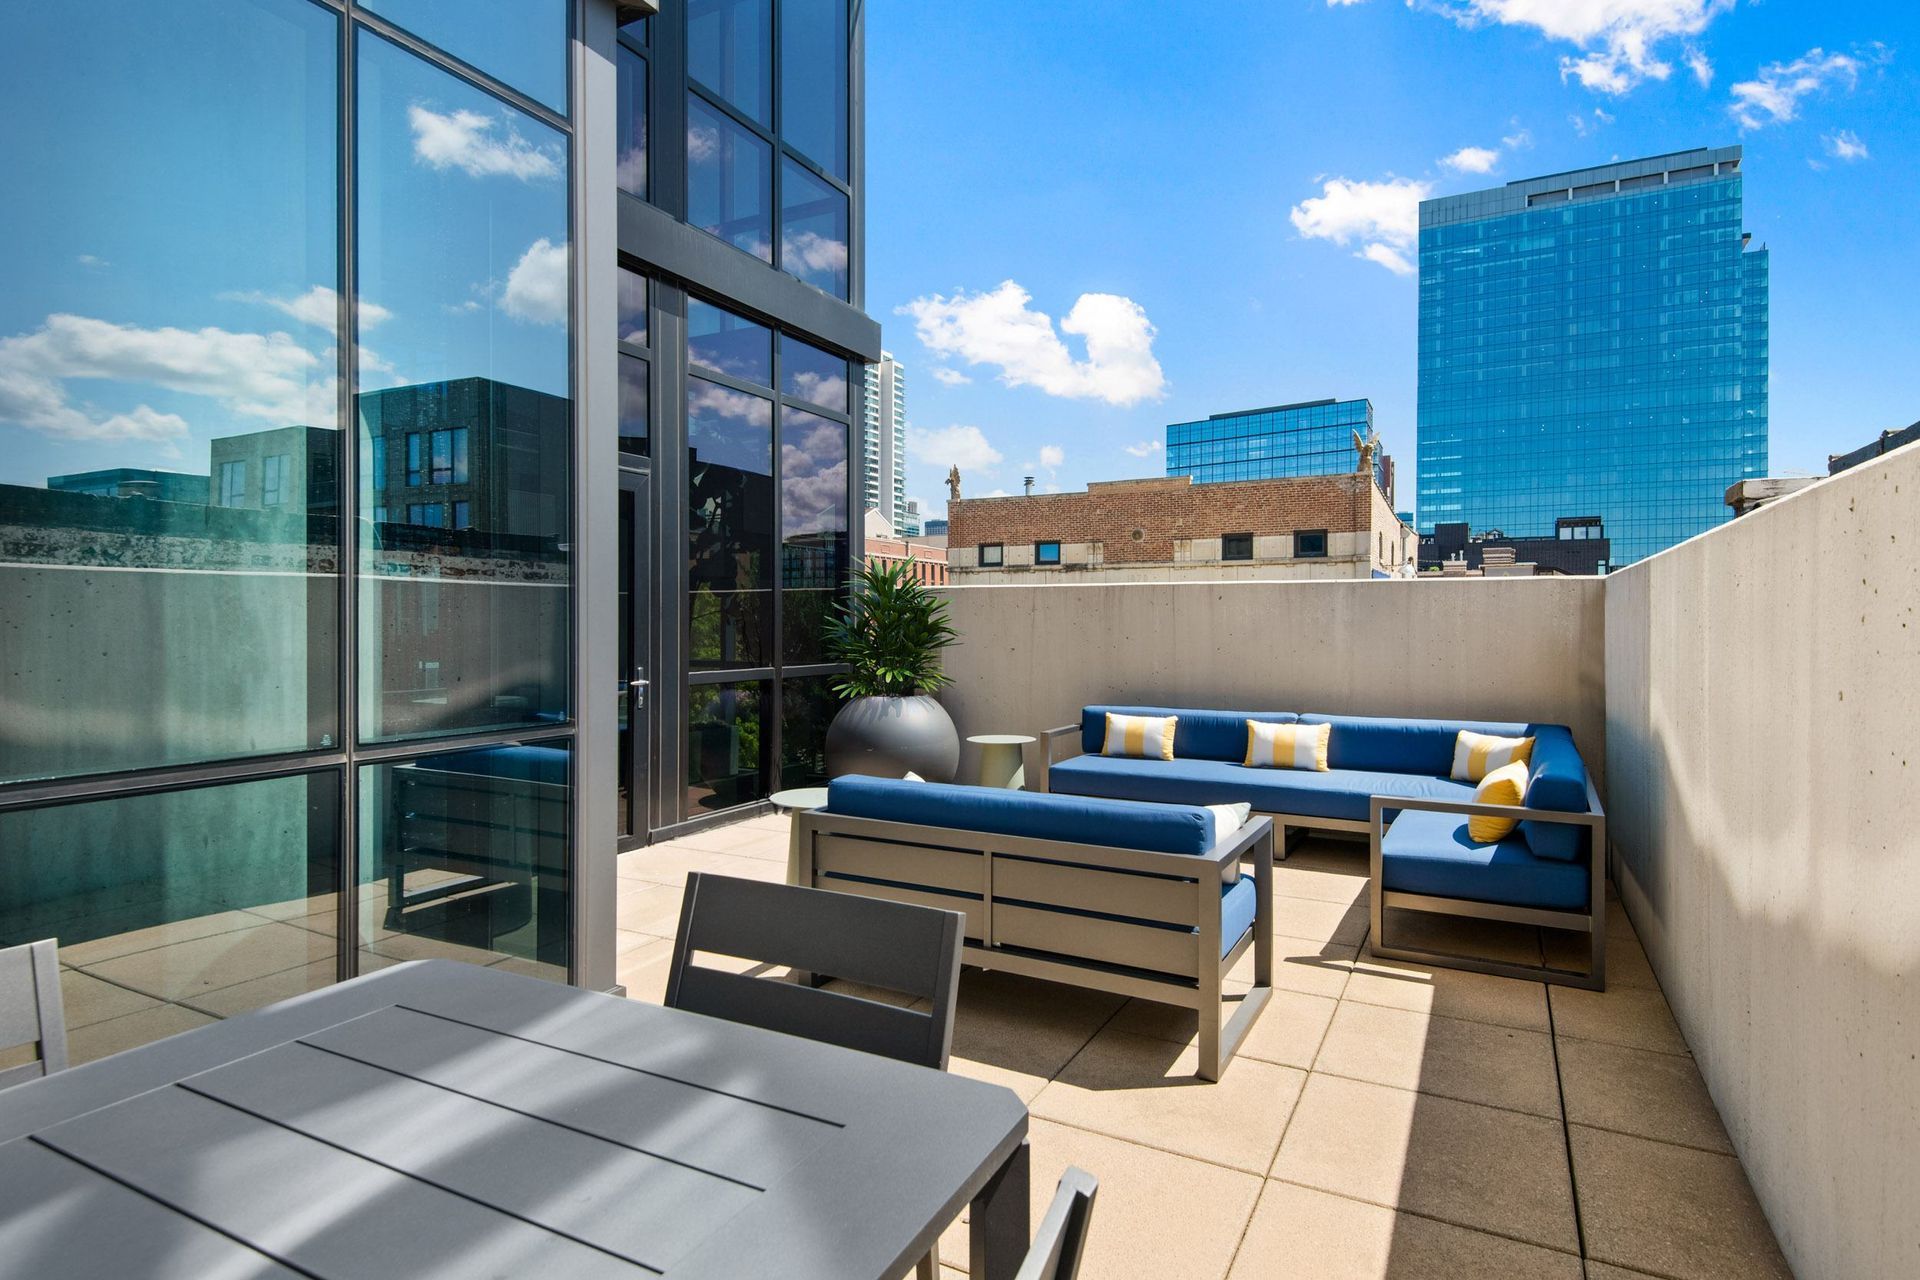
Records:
x=907, y=519
x=935, y=528
x=467, y=454
x=287, y=468
x=133, y=482
x=1887, y=442
x=889, y=545
x=1311, y=438
x=1170, y=528
x=1579, y=545
x=1751, y=495
x=1593, y=341
x=885, y=434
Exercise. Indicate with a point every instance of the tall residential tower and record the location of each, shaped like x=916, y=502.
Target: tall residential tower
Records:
x=885, y=484
x=1593, y=343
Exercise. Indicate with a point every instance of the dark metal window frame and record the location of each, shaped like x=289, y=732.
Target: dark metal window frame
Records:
x=1299, y=550
x=1040, y=556
x=1236, y=546
x=999, y=550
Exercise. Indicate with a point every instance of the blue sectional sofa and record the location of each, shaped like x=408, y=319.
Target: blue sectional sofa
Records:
x=1387, y=778
x=1137, y=899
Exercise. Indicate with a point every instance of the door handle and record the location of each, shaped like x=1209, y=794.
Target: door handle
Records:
x=638, y=683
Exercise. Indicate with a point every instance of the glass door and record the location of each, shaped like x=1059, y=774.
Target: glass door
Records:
x=635, y=818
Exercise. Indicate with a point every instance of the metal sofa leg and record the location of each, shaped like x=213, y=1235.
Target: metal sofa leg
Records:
x=928, y=1268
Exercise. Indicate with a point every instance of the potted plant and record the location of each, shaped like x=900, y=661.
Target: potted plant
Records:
x=890, y=632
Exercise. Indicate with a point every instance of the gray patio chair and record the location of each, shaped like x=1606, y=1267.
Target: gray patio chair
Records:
x=1055, y=1254
x=31, y=1011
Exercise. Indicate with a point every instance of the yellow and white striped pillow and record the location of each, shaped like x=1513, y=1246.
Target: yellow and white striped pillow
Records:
x=1475, y=755
x=1505, y=785
x=1287, y=746
x=1146, y=737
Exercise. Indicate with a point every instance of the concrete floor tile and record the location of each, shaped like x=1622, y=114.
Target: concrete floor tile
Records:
x=1451, y=1057
x=642, y=970
x=204, y=964
x=1319, y=921
x=129, y=1032
x=1306, y=877
x=159, y=935
x=1474, y=1166
x=1651, y=1095
x=1607, y=1271
x=1672, y=1211
x=650, y=908
x=1144, y=1090
x=1632, y=1016
x=268, y=989
x=1627, y=964
x=1450, y=993
x=87, y=999
x=669, y=864
x=1311, y=968
x=1299, y=1233
x=1288, y=1031
x=1019, y=1032
x=1455, y=935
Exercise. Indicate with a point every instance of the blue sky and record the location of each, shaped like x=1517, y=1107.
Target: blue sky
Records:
x=1154, y=181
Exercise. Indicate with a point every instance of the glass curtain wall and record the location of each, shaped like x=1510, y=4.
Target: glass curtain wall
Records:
x=232, y=768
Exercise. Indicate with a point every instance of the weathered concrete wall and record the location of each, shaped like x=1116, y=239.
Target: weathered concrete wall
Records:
x=1486, y=649
x=1763, y=744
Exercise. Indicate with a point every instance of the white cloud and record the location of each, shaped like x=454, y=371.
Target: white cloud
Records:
x=1586, y=126
x=949, y=377
x=1620, y=39
x=1519, y=140
x=1773, y=95
x=1145, y=449
x=536, y=289
x=265, y=376
x=813, y=495
x=821, y=388
x=1472, y=160
x=956, y=446
x=479, y=146
x=1844, y=145
x=1052, y=455
x=997, y=327
x=89, y=260
x=996, y=493
x=812, y=251
x=1696, y=60
x=1384, y=217
x=318, y=306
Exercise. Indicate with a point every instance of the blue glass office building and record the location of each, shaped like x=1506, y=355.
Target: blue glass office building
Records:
x=1311, y=438
x=1593, y=343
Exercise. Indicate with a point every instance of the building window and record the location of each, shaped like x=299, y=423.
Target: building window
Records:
x=462, y=515
x=429, y=515
x=449, y=462
x=273, y=480
x=377, y=448
x=631, y=144
x=729, y=180
x=1237, y=546
x=413, y=458
x=233, y=484
x=1310, y=542
x=992, y=555
x=1046, y=553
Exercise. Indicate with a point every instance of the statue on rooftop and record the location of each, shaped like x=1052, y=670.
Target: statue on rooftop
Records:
x=1366, y=449
x=953, y=483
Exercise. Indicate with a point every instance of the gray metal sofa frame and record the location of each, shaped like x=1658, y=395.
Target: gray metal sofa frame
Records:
x=989, y=877
x=32, y=1011
x=1062, y=1237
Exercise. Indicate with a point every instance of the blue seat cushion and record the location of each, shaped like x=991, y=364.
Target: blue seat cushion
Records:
x=1337, y=793
x=1431, y=853
x=1200, y=735
x=1399, y=745
x=1118, y=824
x=519, y=764
x=1556, y=779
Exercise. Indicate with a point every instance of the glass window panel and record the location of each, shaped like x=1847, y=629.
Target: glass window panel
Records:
x=150, y=359
x=730, y=344
x=729, y=180
x=808, y=373
x=807, y=707
x=631, y=144
x=730, y=524
x=172, y=910
x=464, y=856
x=635, y=29
x=813, y=230
x=726, y=745
x=814, y=40
x=465, y=260
x=813, y=530
x=636, y=433
x=633, y=307
x=522, y=43
x=730, y=51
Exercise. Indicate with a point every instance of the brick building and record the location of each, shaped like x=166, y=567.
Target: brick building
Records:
x=1168, y=527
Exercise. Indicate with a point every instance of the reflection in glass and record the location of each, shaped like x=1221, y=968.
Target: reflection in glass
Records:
x=465, y=251
x=814, y=39
x=463, y=856
x=631, y=153
x=154, y=359
x=730, y=344
x=636, y=435
x=807, y=706
x=173, y=910
x=730, y=51
x=729, y=180
x=521, y=43
x=633, y=307
x=808, y=373
x=813, y=530
x=726, y=745
x=730, y=526
x=813, y=229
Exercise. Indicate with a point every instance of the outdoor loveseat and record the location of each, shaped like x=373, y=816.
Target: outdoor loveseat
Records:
x=1137, y=899
x=1387, y=778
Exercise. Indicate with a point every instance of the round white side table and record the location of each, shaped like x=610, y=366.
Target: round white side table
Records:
x=1002, y=762
x=798, y=798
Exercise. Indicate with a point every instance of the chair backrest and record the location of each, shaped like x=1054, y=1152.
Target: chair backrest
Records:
x=31, y=1011
x=909, y=949
x=1055, y=1254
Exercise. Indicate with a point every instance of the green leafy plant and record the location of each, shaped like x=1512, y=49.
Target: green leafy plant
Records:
x=890, y=631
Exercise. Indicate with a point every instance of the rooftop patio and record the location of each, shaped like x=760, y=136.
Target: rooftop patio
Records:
x=1381, y=1119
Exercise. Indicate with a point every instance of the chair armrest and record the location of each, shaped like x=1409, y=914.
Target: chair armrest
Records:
x=1049, y=751
x=1380, y=804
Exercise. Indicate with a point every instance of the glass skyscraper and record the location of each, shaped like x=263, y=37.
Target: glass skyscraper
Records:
x=1311, y=438
x=1593, y=343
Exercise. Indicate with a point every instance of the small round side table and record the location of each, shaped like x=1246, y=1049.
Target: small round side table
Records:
x=795, y=798
x=1002, y=762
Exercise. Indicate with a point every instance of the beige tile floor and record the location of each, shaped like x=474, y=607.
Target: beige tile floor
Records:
x=1382, y=1119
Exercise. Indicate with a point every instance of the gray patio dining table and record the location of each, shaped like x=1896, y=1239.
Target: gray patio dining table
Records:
x=441, y=1120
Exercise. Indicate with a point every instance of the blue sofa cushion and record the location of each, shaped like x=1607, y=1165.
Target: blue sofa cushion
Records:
x=1200, y=735
x=1556, y=779
x=1119, y=824
x=1431, y=853
x=1338, y=793
x=1399, y=745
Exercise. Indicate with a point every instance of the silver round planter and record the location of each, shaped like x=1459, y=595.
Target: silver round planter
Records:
x=891, y=737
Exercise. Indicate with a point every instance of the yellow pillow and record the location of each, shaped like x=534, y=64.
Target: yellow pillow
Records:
x=1147, y=737
x=1475, y=755
x=1505, y=785
x=1287, y=746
